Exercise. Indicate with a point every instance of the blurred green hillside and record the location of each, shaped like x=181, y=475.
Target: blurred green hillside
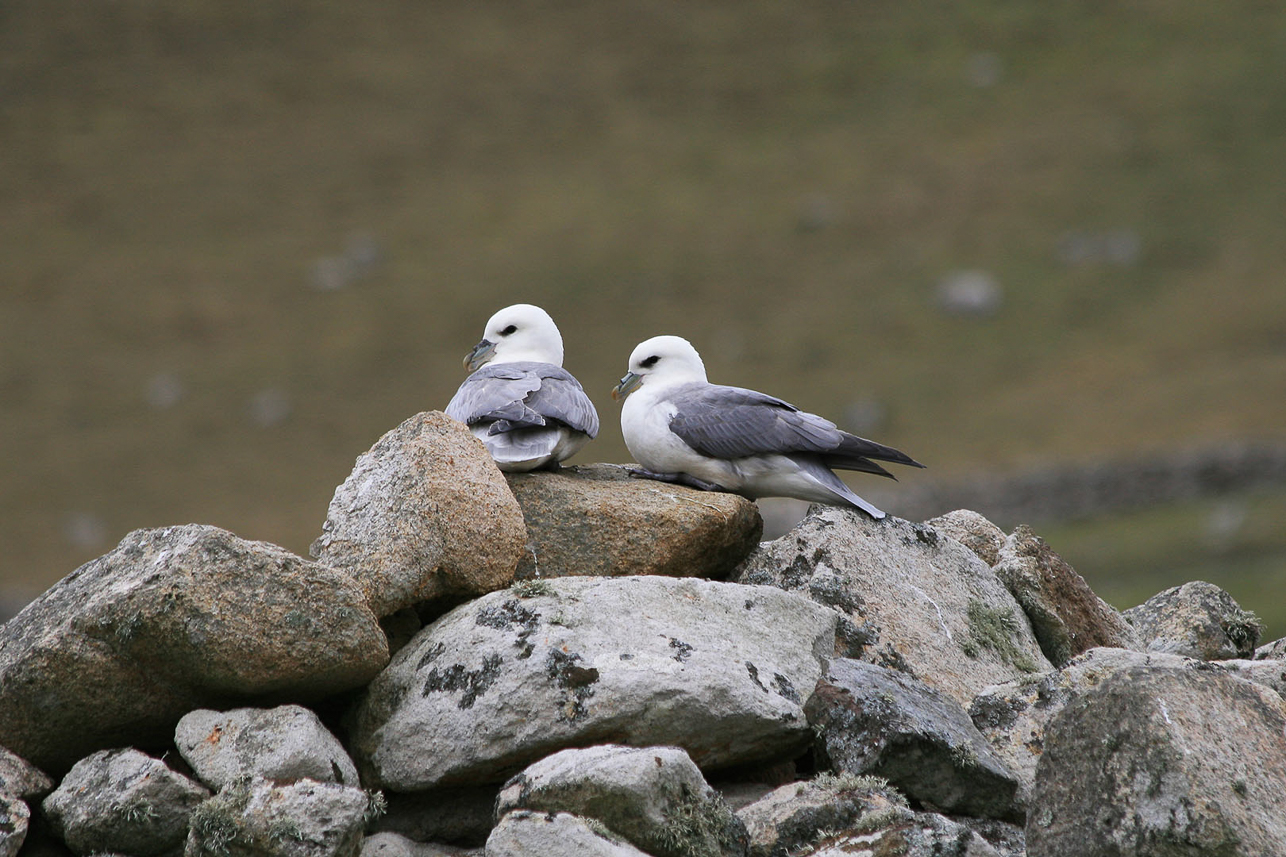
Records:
x=241, y=241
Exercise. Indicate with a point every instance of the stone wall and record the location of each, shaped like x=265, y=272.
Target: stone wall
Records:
x=581, y=663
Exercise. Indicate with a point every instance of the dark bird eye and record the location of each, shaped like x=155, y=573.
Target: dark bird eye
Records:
x=513, y=328
x=650, y=362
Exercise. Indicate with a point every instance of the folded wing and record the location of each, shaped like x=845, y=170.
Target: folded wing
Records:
x=523, y=395
x=733, y=422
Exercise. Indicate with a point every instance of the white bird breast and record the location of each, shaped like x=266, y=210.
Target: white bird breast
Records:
x=645, y=425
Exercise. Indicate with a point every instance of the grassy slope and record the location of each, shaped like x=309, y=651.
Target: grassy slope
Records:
x=171, y=174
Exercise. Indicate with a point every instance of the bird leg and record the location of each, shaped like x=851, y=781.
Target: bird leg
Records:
x=676, y=479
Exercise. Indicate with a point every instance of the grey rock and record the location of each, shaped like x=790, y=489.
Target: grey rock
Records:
x=424, y=515
x=872, y=720
x=903, y=833
x=1065, y=614
x=15, y=816
x=1158, y=761
x=1014, y=716
x=261, y=818
x=1276, y=650
x=284, y=743
x=716, y=668
x=460, y=815
x=1008, y=840
x=175, y=619
x=123, y=800
x=540, y=834
x=596, y=520
x=1198, y=620
x=973, y=531
x=396, y=845
x=1270, y=673
x=655, y=797
x=20, y=778
x=794, y=816
x=912, y=599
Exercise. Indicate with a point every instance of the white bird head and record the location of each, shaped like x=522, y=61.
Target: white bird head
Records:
x=662, y=360
x=515, y=333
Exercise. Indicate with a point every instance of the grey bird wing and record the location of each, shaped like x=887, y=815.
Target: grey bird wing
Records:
x=733, y=422
x=524, y=395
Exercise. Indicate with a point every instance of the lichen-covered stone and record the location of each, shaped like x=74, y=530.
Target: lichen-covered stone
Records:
x=1157, y=762
x=655, y=797
x=284, y=743
x=1276, y=650
x=912, y=599
x=124, y=801
x=261, y=818
x=425, y=515
x=596, y=520
x=1065, y=614
x=1014, y=716
x=555, y=834
x=15, y=817
x=1198, y=620
x=872, y=720
x=718, y=669
x=20, y=778
x=867, y=821
x=174, y=619
x=973, y=531
x=792, y=817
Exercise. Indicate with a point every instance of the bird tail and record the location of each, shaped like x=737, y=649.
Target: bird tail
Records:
x=821, y=474
x=855, y=453
x=520, y=449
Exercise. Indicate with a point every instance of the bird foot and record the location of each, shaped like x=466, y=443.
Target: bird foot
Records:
x=675, y=478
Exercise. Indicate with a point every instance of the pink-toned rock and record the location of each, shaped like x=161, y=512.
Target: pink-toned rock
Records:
x=425, y=515
x=597, y=520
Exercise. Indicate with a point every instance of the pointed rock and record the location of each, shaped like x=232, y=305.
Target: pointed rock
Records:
x=20, y=778
x=973, y=531
x=913, y=599
x=425, y=515
x=1066, y=616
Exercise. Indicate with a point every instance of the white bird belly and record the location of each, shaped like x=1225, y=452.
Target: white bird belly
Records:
x=778, y=476
x=645, y=426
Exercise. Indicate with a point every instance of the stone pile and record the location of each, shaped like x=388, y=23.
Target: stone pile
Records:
x=580, y=663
